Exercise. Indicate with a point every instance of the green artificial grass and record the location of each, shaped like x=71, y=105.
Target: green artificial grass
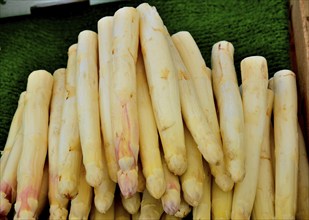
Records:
x=27, y=43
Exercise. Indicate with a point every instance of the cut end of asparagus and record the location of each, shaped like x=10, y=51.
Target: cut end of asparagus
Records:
x=57, y=213
x=128, y=181
x=5, y=205
x=224, y=182
x=223, y=45
x=171, y=202
x=103, y=202
x=192, y=195
x=94, y=175
x=156, y=184
x=67, y=188
x=177, y=164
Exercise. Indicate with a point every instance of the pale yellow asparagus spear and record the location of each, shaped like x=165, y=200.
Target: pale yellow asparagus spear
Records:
x=151, y=208
x=149, y=140
x=286, y=144
x=302, y=211
x=168, y=217
x=171, y=197
x=104, y=193
x=120, y=212
x=272, y=149
x=163, y=86
x=254, y=76
x=58, y=205
x=221, y=203
x=203, y=209
x=123, y=98
x=141, y=184
x=230, y=108
x=35, y=128
x=200, y=74
x=136, y=215
x=131, y=204
x=8, y=178
x=192, y=112
x=108, y=215
x=87, y=94
x=184, y=209
x=15, y=126
x=192, y=181
x=81, y=204
x=105, y=35
x=69, y=156
x=43, y=195
x=265, y=195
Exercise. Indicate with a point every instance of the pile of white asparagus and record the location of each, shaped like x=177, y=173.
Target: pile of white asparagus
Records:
x=139, y=108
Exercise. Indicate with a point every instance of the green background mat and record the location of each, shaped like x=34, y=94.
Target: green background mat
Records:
x=255, y=27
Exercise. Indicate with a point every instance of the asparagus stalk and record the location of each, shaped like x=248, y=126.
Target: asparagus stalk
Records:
x=81, y=204
x=123, y=98
x=302, y=211
x=108, y=215
x=8, y=179
x=151, y=208
x=230, y=108
x=200, y=75
x=120, y=212
x=58, y=204
x=43, y=195
x=141, y=181
x=184, y=209
x=149, y=140
x=286, y=144
x=265, y=195
x=35, y=128
x=14, y=128
x=87, y=95
x=105, y=34
x=254, y=85
x=221, y=202
x=69, y=157
x=163, y=87
x=131, y=204
x=203, y=209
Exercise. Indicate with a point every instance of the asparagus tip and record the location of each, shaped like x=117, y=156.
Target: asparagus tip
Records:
x=94, y=175
x=128, y=181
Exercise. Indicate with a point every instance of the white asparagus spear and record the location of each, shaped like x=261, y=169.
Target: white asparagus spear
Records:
x=35, y=127
x=203, y=209
x=254, y=76
x=120, y=212
x=151, y=208
x=131, y=204
x=221, y=203
x=200, y=74
x=123, y=98
x=69, y=156
x=81, y=204
x=87, y=94
x=8, y=178
x=104, y=193
x=105, y=35
x=163, y=86
x=149, y=140
x=15, y=126
x=265, y=195
x=230, y=108
x=286, y=144
x=58, y=204
x=43, y=195
x=302, y=211
x=108, y=215
x=184, y=209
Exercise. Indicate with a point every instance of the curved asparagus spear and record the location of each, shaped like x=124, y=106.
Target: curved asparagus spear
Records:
x=105, y=34
x=35, y=127
x=254, y=75
x=58, y=204
x=230, y=108
x=163, y=87
x=87, y=94
x=123, y=98
x=151, y=208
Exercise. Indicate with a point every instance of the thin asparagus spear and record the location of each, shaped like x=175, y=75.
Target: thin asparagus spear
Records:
x=35, y=128
x=108, y=215
x=123, y=98
x=105, y=34
x=163, y=86
x=43, y=195
x=151, y=208
x=221, y=203
x=87, y=94
x=131, y=204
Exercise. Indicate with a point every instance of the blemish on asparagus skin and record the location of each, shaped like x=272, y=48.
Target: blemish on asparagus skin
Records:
x=7, y=189
x=165, y=73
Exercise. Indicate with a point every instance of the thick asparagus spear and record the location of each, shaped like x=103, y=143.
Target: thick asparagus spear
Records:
x=35, y=127
x=286, y=144
x=87, y=94
x=105, y=35
x=184, y=209
x=149, y=140
x=230, y=108
x=58, y=204
x=163, y=86
x=265, y=195
x=151, y=208
x=254, y=76
x=123, y=98
x=131, y=204
x=221, y=202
